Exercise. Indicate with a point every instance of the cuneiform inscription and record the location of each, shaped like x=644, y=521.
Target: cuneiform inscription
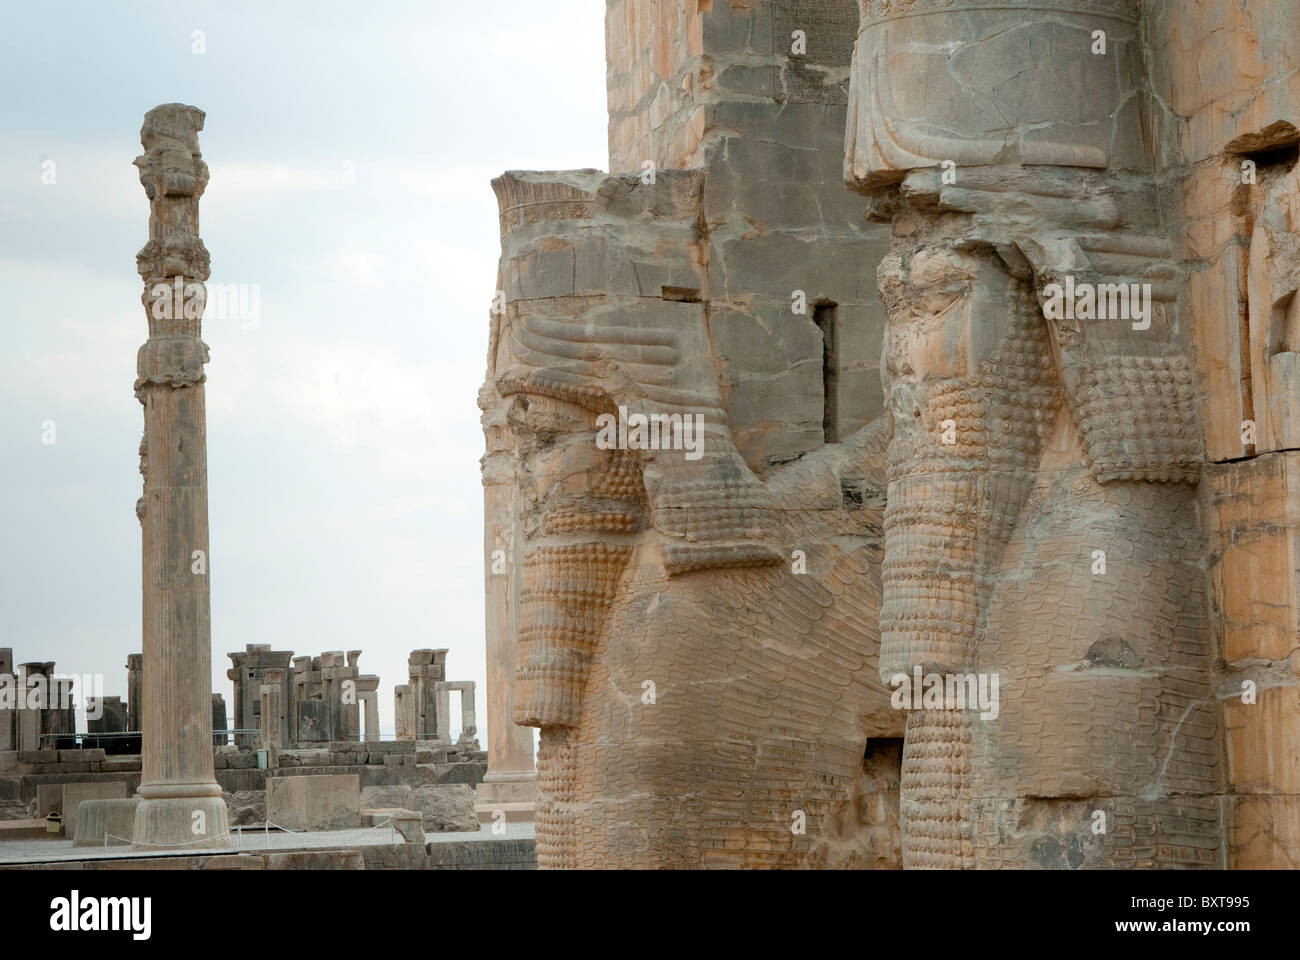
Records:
x=830, y=25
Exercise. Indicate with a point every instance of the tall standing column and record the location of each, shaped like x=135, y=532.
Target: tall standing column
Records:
x=511, y=780
x=134, y=673
x=9, y=692
x=181, y=800
x=368, y=694
x=272, y=692
x=372, y=716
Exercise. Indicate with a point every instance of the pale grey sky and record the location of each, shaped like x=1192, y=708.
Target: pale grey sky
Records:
x=374, y=304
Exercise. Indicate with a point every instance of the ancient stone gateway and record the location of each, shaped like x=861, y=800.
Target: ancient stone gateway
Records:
x=789, y=518
x=696, y=618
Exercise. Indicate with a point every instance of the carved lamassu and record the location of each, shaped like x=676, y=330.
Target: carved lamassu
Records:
x=703, y=701
x=1045, y=443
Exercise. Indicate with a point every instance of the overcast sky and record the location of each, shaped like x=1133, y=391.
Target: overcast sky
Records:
x=374, y=299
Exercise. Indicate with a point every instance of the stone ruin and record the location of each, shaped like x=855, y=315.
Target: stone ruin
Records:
x=36, y=705
x=888, y=464
x=984, y=317
x=319, y=699
x=422, y=706
x=47, y=766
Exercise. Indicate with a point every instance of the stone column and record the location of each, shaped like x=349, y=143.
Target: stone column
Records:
x=272, y=690
x=242, y=703
x=511, y=775
x=181, y=802
x=335, y=672
x=368, y=692
x=134, y=672
x=8, y=690
x=423, y=671
x=372, y=716
x=218, y=720
x=34, y=689
x=468, y=739
x=440, y=695
x=401, y=724
x=352, y=701
x=61, y=717
x=300, y=679
x=468, y=718
x=27, y=722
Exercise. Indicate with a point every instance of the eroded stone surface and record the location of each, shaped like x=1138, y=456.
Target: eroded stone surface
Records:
x=181, y=801
x=668, y=288
x=1036, y=496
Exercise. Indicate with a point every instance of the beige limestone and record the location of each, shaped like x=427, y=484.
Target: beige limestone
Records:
x=672, y=295
x=1230, y=141
x=407, y=824
x=764, y=681
x=325, y=802
x=1065, y=436
x=1071, y=505
x=511, y=775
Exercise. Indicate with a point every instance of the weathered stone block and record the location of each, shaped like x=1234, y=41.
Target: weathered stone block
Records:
x=1264, y=832
x=49, y=799
x=323, y=802
x=1255, y=560
x=246, y=807
x=313, y=721
x=76, y=793
x=442, y=808
x=407, y=823
x=120, y=765
x=1264, y=741
x=316, y=860
x=241, y=861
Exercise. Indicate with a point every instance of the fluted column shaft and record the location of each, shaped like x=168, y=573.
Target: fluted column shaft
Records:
x=182, y=800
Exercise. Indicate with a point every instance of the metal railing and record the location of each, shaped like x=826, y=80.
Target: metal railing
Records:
x=81, y=738
x=237, y=832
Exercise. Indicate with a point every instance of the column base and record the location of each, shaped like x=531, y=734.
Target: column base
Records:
x=177, y=824
x=516, y=798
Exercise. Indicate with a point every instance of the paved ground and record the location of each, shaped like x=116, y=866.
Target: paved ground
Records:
x=40, y=851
